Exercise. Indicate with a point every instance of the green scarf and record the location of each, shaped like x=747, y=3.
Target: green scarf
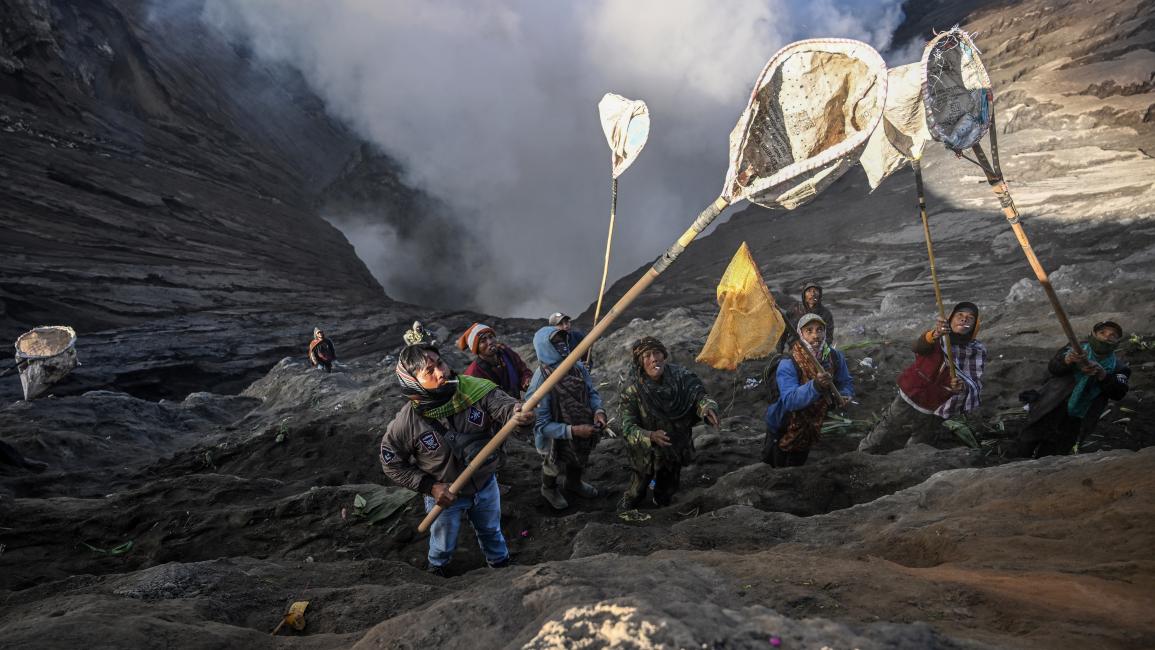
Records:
x=470, y=390
x=1087, y=390
x=823, y=354
x=675, y=397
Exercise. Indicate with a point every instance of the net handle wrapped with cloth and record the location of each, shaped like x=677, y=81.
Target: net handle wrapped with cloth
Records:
x=847, y=85
x=44, y=356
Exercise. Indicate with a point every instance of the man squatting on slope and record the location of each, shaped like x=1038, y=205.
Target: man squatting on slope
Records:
x=494, y=360
x=1066, y=409
x=322, y=353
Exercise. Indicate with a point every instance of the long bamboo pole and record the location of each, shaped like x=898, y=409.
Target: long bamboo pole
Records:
x=999, y=185
x=917, y=165
x=705, y=218
x=606, y=264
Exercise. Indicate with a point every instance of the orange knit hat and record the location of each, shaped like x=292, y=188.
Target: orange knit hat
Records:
x=468, y=340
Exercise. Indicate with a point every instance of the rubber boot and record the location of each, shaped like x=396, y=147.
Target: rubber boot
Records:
x=575, y=484
x=549, y=490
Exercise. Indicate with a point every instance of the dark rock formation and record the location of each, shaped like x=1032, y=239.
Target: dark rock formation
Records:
x=149, y=172
x=370, y=203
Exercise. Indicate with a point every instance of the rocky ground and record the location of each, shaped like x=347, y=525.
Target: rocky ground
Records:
x=202, y=478
x=197, y=522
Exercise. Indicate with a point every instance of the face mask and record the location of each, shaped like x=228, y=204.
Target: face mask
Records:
x=561, y=345
x=1102, y=347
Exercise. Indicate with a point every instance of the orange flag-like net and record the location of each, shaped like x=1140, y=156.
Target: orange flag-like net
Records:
x=749, y=323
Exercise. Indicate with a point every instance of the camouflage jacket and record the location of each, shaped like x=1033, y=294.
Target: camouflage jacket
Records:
x=639, y=418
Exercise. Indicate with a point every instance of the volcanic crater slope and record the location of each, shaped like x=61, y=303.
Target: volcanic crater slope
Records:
x=202, y=477
x=203, y=521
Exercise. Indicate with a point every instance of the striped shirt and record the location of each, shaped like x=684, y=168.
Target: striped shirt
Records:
x=969, y=359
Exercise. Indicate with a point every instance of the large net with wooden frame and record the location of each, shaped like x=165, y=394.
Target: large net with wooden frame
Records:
x=957, y=92
x=810, y=114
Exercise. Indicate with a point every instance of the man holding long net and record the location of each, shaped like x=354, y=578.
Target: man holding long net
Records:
x=928, y=392
x=441, y=429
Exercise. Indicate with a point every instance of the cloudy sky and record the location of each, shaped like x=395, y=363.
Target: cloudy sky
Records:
x=491, y=106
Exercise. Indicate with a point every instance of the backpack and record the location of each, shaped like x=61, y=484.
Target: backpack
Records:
x=770, y=374
x=770, y=381
x=770, y=377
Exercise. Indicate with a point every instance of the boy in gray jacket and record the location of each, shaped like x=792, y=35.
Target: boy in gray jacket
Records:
x=445, y=423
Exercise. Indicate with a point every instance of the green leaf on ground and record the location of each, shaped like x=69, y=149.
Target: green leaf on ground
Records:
x=837, y=424
x=963, y=432
x=381, y=504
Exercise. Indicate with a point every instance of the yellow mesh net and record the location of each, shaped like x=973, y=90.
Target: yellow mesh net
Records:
x=749, y=323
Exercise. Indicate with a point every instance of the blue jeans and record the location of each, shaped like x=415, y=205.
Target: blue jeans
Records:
x=484, y=510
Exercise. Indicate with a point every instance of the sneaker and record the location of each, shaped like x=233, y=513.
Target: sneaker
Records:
x=438, y=571
x=501, y=564
x=555, y=498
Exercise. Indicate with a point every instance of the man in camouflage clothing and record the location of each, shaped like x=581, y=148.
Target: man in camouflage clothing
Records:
x=658, y=409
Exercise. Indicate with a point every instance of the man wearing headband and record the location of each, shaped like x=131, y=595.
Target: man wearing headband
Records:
x=927, y=396
x=1067, y=408
x=569, y=421
x=811, y=380
x=494, y=360
x=659, y=408
x=439, y=430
